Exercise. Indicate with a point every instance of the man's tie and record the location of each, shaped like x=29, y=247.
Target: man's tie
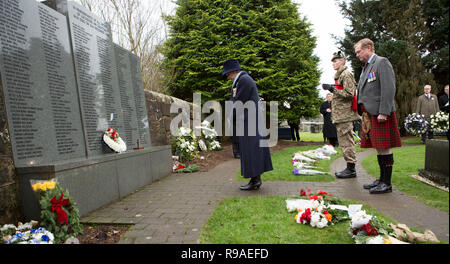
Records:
x=365, y=66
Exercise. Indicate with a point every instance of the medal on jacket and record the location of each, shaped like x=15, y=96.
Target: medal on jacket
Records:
x=372, y=77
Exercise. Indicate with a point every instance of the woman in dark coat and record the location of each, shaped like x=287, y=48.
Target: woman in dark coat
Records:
x=329, y=129
x=255, y=159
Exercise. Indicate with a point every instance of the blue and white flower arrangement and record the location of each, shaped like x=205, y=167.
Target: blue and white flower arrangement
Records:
x=25, y=234
x=416, y=124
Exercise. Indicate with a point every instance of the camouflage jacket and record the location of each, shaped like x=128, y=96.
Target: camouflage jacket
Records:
x=342, y=99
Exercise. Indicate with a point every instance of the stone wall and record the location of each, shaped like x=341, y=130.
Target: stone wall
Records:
x=159, y=116
x=9, y=198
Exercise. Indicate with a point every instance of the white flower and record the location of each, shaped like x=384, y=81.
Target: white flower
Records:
x=202, y=145
x=359, y=219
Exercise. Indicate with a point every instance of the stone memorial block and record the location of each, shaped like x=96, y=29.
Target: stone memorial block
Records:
x=127, y=101
x=133, y=104
x=39, y=84
x=140, y=101
x=95, y=67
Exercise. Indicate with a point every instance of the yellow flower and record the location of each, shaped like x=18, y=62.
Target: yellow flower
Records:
x=50, y=185
x=387, y=241
x=43, y=187
x=36, y=186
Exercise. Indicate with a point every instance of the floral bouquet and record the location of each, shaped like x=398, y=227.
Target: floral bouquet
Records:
x=185, y=144
x=209, y=135
x=25, y=234
x=416, y=124
x=114, y=141
x=318, y=212
x=369, y=229
x=316, y=216
x=59, y=213
x=439, y=122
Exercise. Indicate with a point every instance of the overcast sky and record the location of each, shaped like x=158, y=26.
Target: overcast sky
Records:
x=326, y=19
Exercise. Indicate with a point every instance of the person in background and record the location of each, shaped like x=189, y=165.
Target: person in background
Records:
x=329, y=129
x=376, y=91
x=444, y=105
x=443, y=100
x=294, y=125
x=427, y=105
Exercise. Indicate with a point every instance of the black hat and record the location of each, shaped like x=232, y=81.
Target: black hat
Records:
x=230, y=65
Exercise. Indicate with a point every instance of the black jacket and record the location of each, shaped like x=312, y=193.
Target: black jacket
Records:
x=255, y=159
x=329, y=129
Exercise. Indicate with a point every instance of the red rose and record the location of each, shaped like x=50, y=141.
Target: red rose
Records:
x=302, y=192
x=306, y=216
x=313, y=197
x=369, y=229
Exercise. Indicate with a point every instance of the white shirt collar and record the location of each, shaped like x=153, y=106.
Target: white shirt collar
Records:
x=235, y=79
x=371, y=58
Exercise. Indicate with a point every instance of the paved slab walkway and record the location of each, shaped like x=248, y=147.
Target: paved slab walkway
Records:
x=174, y=209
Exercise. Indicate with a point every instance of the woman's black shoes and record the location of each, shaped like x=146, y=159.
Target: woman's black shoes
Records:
x=254, y=184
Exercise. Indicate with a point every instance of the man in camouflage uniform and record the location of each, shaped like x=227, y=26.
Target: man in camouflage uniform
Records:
x=344, y=112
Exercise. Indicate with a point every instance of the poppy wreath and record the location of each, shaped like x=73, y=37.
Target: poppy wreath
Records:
x=112, y=139
x=59, y=213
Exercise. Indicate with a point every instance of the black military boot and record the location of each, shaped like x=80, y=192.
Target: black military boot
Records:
x=253, y=184
x=385, y=185
x=376, y=182
x=349, y=172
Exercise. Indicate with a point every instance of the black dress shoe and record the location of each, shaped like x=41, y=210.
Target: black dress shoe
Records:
x=237, y=156
x=345, y=174
x=381, y=188
x=371, y=185
x=252, y=185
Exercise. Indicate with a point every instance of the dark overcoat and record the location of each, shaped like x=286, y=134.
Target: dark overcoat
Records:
x=255, y=159
x=329, y=129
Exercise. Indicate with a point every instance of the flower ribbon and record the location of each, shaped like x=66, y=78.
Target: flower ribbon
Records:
x=57, y=207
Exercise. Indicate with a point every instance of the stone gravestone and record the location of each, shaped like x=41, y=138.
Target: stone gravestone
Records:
x=436, y=162
x=62, y=91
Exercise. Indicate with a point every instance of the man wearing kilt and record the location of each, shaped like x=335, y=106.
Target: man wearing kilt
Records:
x=376, y=91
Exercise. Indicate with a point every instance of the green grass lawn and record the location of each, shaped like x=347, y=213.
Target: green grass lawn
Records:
x=282, y=167
x=265, y=220
x=408, y=161
x=418, y=140
x=311, y=137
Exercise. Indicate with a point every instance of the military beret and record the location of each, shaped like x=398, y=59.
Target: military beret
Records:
x=338, y=55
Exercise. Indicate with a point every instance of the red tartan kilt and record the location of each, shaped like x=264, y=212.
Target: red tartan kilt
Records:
x=382, y=135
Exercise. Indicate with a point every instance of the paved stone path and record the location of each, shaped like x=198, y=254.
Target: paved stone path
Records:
x=174, y=209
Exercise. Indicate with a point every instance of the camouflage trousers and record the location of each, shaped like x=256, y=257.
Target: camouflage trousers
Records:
x=346, y=142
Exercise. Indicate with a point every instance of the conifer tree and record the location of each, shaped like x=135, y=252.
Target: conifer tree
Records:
x=398, y=28
x=269, y=38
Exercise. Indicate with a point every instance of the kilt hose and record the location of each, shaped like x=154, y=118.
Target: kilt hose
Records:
x=381, y=135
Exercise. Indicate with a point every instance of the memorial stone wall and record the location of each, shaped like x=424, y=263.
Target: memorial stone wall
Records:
x=64, y=82
x=59, y=104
